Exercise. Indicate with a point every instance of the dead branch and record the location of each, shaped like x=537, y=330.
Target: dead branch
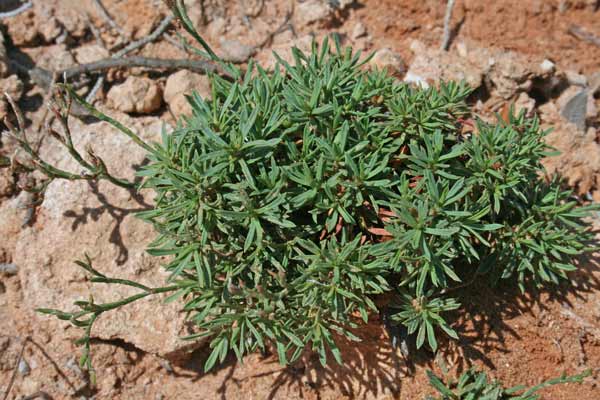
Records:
x=584, y=35
x=150, y=38
x=162, y=27
x=447, y=30
x=19, y=10
x=200, y=66
x=104, y=12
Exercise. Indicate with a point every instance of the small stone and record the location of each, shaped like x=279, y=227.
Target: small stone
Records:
x=547, y=66
x=358, y=31
x=56, y=58
x=8, y=269
x=525, y=103
x=235, y=51
x=14, y=88
x=23, y=29
x=23, y=367
x=432, y=65
x=594, y=82
x=50, y=30
x=576, y=79
x=313, y=11
x=575, y=109
x=217, y=27
x=135, y=95
x=386, y=59
x=90, y=53
x=181, y=84
x=461, y=49
x=341, y=4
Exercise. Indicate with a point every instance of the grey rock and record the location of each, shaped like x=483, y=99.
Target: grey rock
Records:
x=8, y=269
x=594, y=82
x=23, y=368
x=575, y=78
x=575, y=109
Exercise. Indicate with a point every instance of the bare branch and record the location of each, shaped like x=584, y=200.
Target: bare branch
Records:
x=582, y=34
x=150, y=38
x=109, y=19
x=21, y=9
x=447, y=29
x=200, y=66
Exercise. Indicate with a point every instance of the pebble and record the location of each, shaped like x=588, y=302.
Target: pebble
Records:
x=386, y=59
x=547, y=66
x=136, y=95
x=312, y=11
x=594, y=81
x=575, y=78
x=575, y=109
x=23, y=368
x=235, y=51
x=8, y=269
x=359, y=30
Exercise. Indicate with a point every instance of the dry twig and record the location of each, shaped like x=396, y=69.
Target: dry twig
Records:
x=447, y=30
x=162, y=27
x=582, y=34
x=200, y=66
x=150, y=38
x=109, y=19
x=19, y=10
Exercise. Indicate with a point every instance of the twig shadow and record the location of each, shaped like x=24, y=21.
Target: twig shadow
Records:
x=117, y=213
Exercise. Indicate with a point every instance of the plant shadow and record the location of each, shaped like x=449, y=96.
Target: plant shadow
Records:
x=374, y=368
x=483, y=323
x=117, y=213
x=370, y=368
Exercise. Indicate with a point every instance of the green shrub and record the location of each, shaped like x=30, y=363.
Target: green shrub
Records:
x=473, y=385
x=292, y=198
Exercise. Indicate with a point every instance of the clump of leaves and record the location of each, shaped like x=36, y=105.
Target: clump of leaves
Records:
x=292, y=198
x=473, y=385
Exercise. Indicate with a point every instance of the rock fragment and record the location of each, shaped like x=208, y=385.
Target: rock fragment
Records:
x=89, y=53
x=358, y=31
x=8, y=269
x=235, y=51
x=23, y=368
x=313, y=11
x=77, y=218
x=14, y=88
x=430, y=65
x=386, y=59
x=575, y=109
x=183, y=83
x=575, y=78
x=136, y=95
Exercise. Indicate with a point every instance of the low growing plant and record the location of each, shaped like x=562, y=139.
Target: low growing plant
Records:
x=473, y=385
x=293, y=198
